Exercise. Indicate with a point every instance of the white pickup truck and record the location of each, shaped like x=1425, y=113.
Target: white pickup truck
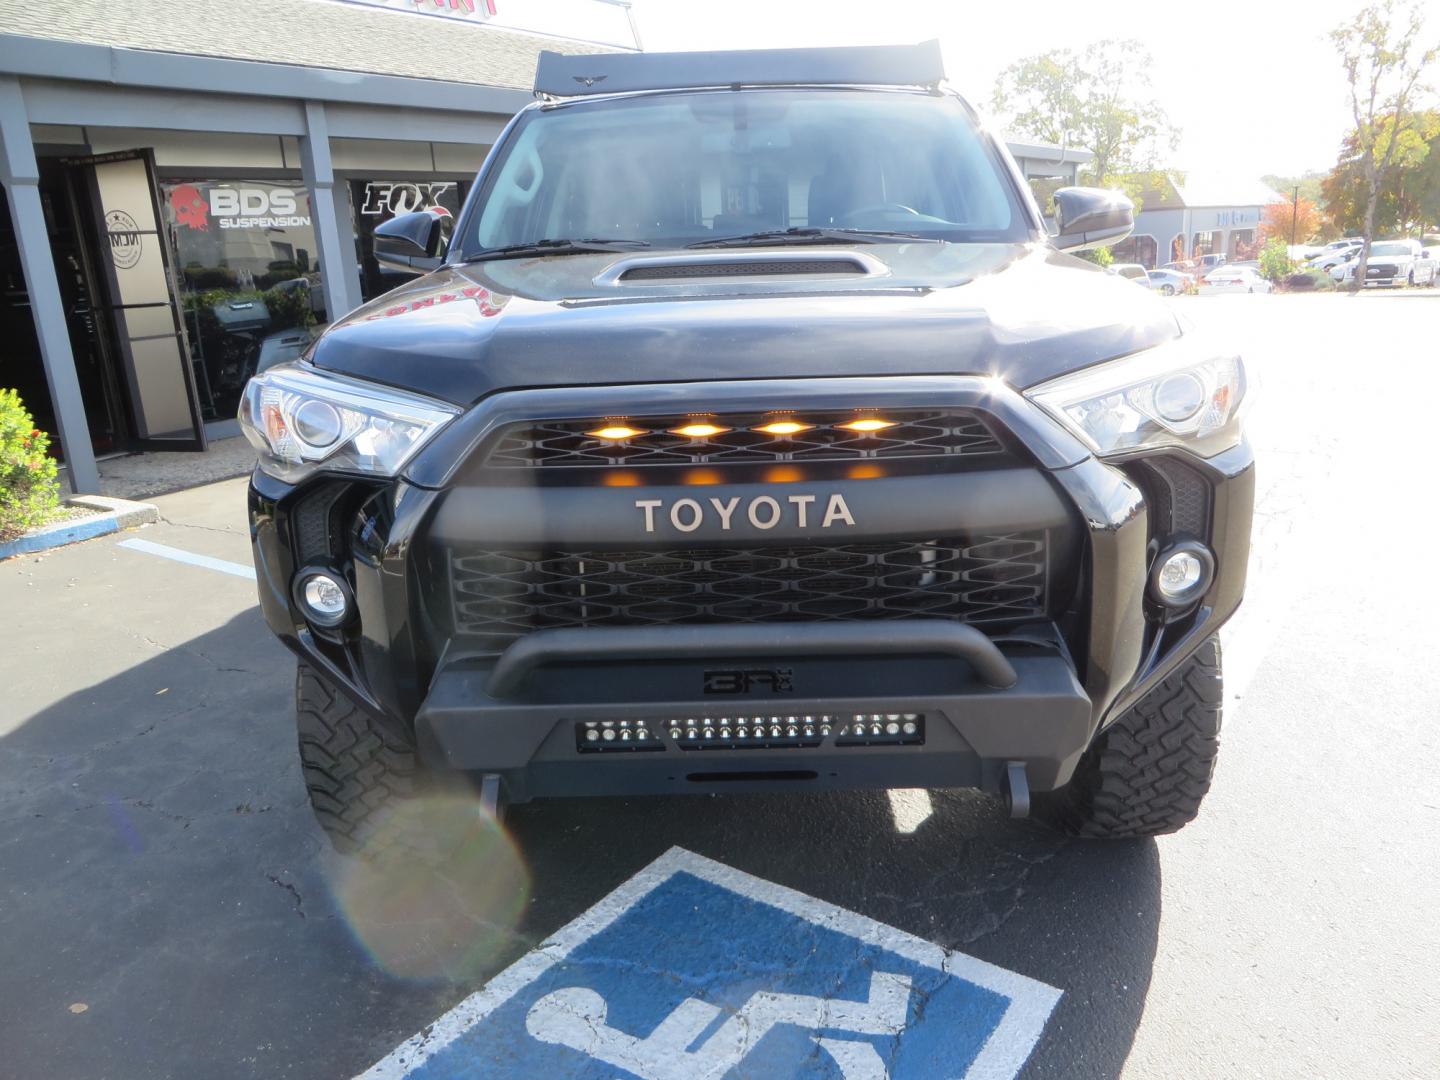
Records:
x=1397, y=262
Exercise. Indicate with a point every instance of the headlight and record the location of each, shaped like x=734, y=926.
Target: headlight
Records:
x=301, y=420
x=1178, y=394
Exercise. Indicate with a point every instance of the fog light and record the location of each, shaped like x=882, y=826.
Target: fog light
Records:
x=323, y=597
x=1182, y=574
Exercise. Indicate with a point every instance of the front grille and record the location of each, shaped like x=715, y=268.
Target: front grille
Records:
x=916, y=434
x=501, y=595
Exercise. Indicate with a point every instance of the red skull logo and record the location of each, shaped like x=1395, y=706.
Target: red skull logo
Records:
x=191, y=208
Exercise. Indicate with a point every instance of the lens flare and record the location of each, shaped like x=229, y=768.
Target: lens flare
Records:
x=436, y=890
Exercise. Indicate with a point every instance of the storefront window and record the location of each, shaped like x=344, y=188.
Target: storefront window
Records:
x=250, y=286
x=380, y=200
x=1207, y=243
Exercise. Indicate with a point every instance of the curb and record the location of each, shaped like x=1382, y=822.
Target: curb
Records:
x=115, y=514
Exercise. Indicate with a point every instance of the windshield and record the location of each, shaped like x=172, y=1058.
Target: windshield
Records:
x=686, y=168
x=1390, y=249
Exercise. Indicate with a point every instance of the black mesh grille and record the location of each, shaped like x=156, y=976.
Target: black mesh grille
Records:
x=743, y=268
x=1186, y=498
x=313, y=519
x=914, y=434
x=500, y=595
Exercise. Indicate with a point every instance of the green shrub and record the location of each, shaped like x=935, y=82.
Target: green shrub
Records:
x=1275, y=261
x=1099, y=256
x=29, y=492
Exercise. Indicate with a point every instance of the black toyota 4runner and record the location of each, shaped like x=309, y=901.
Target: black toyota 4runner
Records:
x=753, y=432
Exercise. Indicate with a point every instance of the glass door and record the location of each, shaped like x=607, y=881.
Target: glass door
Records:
x=138, y=300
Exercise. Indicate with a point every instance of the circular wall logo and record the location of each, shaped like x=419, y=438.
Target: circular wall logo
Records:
x=125, y=249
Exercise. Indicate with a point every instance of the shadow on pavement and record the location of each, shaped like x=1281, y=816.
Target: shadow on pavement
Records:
x=160, y=867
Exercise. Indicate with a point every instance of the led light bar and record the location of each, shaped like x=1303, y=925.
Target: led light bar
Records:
x=595, y=736
x=751, y=732
x=882, y=729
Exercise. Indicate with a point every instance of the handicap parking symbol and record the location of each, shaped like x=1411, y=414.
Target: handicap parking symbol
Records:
x=692, y=970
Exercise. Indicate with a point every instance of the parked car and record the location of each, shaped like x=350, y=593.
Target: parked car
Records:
x=1233, y=279
x=1168, y=282
x=446, y=536
x=1336, y=252
x=1129, y=271
x=1398, y=263
x=1188, y=267
x=1345, y=267
x=1206, y=263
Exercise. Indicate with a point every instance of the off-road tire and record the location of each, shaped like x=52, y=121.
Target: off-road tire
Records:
x=355, y=768
x=1148, y=771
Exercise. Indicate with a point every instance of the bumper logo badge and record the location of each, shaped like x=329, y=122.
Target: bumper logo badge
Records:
x=776, y=680
x=762, y=512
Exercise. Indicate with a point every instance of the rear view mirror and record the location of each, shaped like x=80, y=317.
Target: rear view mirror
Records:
x=413, y=242
x=1091, y=217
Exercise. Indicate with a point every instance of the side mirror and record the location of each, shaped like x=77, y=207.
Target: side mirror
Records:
x=1091, y=217
x=411, y=242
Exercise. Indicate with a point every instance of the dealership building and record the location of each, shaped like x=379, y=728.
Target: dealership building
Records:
x=187, y=199
x=1184, y=220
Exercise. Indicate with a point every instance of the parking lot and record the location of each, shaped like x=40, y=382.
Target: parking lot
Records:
x=168, y=907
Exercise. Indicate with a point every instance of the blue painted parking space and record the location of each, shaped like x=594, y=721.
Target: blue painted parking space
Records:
x=694, y=971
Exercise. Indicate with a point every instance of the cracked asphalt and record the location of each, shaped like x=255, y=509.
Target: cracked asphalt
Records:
x=168, y=908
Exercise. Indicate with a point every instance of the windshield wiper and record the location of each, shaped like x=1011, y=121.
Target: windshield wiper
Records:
x=556, y=247
x=811, y=235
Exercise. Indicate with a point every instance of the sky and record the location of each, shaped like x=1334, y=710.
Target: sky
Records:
x=1255, y=87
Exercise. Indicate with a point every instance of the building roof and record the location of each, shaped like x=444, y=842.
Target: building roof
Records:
x=1044, y=151
x=1200, y=190
x=1197, y=191
x=307, y=33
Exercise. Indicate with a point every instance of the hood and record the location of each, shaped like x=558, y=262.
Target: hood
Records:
x=1021, y=312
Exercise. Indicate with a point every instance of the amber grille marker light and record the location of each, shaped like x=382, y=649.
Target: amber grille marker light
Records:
x=615, y=431
x=867, y=423
x=699, y=431
x=784, y=427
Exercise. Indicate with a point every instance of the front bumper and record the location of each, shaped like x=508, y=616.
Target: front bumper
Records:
x=1105, y=647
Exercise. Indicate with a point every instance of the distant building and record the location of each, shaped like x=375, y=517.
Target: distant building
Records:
x=1045, y=165
x=1197, y=217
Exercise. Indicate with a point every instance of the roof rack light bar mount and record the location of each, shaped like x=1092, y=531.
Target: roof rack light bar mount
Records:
x=562, y=76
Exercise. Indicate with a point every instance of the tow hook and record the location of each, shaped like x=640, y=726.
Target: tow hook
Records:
x=1017, y=790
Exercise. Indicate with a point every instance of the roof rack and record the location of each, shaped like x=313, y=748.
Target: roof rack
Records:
x=562, y=76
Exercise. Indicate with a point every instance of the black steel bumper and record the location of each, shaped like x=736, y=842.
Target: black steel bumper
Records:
x=520, y=714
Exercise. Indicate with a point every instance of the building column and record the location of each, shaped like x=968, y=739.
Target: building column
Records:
x=21, y=175
x=330, y=214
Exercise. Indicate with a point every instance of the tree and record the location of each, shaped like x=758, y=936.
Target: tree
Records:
x=1291, y=218
x=1308, y=182
x=1385, y=66
x=1409, y=198
x=1096, y=100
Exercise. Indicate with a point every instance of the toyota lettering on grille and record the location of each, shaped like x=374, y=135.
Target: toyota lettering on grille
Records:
x=761, y=512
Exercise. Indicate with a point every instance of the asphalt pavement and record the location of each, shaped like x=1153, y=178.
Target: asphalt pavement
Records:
x=169, y=909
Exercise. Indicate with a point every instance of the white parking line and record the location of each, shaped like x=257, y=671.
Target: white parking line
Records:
x=167, y=552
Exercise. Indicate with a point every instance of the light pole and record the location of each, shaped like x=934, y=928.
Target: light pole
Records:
x=1294, y=213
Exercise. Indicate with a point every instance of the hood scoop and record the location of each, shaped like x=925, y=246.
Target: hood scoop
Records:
x=731, y=265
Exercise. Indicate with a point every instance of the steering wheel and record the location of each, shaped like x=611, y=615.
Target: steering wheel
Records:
x=884, y=212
